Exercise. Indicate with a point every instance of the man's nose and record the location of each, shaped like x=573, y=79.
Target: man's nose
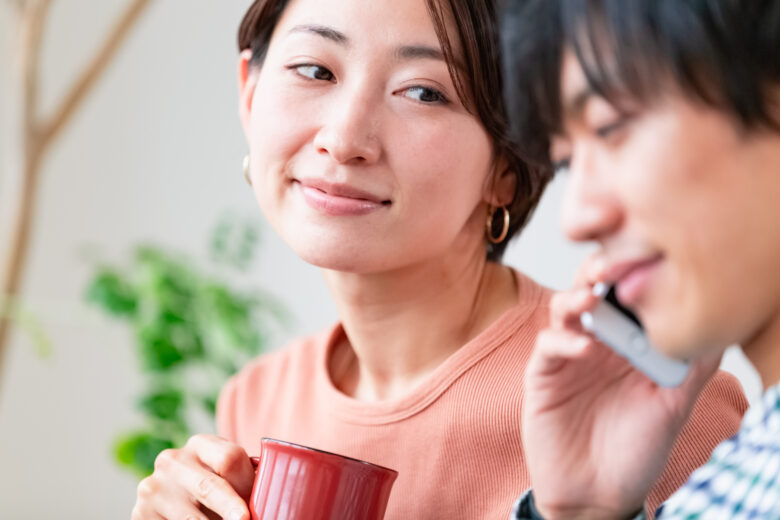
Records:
x=591, y=209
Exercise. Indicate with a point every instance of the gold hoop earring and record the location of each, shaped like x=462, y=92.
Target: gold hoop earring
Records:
x=246, y=170
x=504, y=230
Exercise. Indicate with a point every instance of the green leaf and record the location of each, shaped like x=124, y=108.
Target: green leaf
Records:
x=109, y=291
x=136, y=451
x=157, y=348
x=233, y=241
x=192, y=332
x=209, y=403
x=164, y=404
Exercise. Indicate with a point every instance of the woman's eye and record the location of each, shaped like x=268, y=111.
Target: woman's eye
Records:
x=314, y=72
x=426, y=95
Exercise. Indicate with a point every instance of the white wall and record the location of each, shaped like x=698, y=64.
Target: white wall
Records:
x=155, y=155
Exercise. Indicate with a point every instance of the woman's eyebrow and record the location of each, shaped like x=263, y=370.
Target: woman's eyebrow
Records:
x=414, y=52
x=324, y=31
x=402, y=53
x=424, y=52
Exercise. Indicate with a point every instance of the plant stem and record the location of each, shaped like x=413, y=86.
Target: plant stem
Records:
x=38, y=136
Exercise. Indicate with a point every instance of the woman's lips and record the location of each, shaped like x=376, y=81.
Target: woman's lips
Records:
x=634, y=282
x=339, y=200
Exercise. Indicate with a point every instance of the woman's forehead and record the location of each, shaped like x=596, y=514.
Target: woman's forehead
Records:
x=357, y=20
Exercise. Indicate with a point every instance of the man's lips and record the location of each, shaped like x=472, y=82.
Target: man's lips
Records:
x=631, y=277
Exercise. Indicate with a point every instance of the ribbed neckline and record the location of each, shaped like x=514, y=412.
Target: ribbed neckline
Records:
x=422, y=396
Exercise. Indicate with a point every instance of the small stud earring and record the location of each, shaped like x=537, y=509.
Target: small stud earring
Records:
x=246, y=170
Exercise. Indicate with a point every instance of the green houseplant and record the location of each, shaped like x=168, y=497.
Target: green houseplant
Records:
x=192, y=329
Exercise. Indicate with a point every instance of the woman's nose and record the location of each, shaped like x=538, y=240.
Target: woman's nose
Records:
x=591, y=209
x=350, y=132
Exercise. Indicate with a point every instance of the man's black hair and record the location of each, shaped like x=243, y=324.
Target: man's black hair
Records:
x=723, y=53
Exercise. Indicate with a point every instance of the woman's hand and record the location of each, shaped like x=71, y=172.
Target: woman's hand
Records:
x=208, y=478
x=597, y=432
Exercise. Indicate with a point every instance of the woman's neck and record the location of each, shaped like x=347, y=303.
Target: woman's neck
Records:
x=401, y=325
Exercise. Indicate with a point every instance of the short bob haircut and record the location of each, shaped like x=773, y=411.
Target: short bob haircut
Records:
x=722, y=53
x=479, y=85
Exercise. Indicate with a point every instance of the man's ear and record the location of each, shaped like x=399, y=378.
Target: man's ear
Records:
x=247, y=80
x=501, y=186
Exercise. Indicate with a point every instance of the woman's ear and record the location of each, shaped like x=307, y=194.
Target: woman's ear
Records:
x=247, y=80
x=502, y=185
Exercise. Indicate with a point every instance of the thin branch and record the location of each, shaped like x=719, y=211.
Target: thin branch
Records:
x=37, y=137
x=19, y=5
x=34, y=21
x=89, y=77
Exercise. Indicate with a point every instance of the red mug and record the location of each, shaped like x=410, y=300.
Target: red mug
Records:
x=294, y=482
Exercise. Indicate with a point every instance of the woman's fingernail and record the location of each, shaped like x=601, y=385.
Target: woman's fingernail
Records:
x=236, y=514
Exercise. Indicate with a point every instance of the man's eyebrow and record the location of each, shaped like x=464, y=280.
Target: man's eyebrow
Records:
x=574, y=105
x=326, y=32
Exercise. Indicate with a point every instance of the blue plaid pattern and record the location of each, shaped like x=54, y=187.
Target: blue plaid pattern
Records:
x=741, y=480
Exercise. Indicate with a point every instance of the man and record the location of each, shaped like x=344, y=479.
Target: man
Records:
x=666, y=116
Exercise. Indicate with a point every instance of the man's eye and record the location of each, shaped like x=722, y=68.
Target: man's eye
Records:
x=315, y=72
x=426, y=95
x=605, y=131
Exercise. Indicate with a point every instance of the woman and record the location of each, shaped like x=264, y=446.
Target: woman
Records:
x=377, y=150
x=666, y=115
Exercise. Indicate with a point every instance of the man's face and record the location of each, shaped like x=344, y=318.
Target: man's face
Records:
x=686, y=208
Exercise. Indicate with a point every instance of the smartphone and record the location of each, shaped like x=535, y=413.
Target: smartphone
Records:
x=621, y=330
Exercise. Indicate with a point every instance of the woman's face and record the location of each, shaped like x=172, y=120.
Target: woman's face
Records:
x=362, y=157
x=686, y=209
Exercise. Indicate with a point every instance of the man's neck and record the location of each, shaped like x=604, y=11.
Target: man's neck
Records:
x=763, y=351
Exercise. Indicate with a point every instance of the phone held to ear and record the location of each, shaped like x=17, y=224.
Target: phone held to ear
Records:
x=622, y=331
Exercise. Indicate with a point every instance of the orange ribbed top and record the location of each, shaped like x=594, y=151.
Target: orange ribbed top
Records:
x=454, y=439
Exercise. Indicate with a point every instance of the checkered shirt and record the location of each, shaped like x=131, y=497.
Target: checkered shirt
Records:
x=742, y=478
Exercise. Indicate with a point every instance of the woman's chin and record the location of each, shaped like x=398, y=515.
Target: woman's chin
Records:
x=339, y=259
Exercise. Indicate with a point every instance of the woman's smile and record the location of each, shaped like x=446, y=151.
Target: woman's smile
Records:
x=339, y=199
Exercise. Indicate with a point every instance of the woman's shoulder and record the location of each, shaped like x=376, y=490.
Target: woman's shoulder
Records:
x=532, y=311
x=532, y=292
x=296, y=355
x=263, y=377
x=301, y=350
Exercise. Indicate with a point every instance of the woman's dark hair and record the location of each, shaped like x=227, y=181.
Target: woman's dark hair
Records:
x=723, y=53
x=479, y=84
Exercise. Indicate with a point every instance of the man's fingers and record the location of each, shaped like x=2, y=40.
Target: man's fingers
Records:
x=591, y=270
x=555, y=347
x=567, y=306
